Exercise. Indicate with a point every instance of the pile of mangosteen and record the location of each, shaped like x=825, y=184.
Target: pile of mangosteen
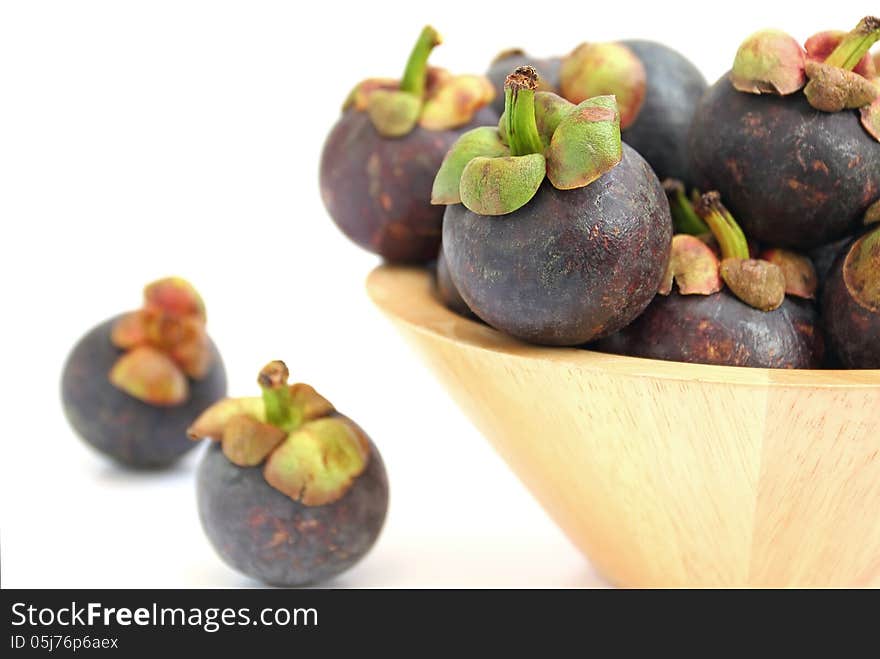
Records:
x=606, y=199
x=621, y=204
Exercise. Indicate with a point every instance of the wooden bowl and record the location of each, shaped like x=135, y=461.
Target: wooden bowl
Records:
x=669, y=474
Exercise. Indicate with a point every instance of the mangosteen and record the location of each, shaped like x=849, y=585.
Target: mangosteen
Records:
x=292, y=492
x=555, y=232
x=734, y=310
x=657, y=90
x=382, y=155
x=134, y=383
x=851, y=303
x=446, y=290
x=798, y=169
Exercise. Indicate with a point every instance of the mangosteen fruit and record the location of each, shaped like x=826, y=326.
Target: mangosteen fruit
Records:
x=381, y=157
x=133, y=384
x=730, y=309
x=291, y=492
x=555, y=232
x=851, y=303
x=657, y=90
x=780, y=138
x=446, y=290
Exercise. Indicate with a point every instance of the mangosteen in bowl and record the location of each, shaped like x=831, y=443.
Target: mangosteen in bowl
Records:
x=730, y=309
x=851, y=303
x=380, y=158
x=291, y=492
x=789, y=136
x=657, y=90
x=134, y=383
x=554, y=232
x=447, y=291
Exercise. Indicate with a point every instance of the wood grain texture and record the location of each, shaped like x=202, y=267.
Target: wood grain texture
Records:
x=669, y=474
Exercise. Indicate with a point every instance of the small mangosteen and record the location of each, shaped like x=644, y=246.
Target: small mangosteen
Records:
x=657, y=90
x=291, y=493
x=446, y=290
x=382, y=155
x=555, y=232
x=851, y=303
x=732, y=311
x=798, y=169
x=134, y=383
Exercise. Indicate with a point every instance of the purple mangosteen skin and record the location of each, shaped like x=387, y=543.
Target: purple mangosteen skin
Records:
x=122, y=427
x=853, y=331
x=588, y=259
x=268, y=536
x=378, y=189
x=720, y=329
x=446, y=290
x=548, y=72
x=673, y=91
x=792, y=176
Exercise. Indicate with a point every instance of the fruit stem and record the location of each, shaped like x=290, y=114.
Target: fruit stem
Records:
x=416, y=73
x=280, y=409
x=856, y=44
x=519, y=112
x=684, y=217
x=727, y=232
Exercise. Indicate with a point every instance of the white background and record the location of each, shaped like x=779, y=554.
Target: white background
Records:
x=141, y=139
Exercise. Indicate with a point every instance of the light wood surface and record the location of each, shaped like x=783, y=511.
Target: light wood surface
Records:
x=668, y=474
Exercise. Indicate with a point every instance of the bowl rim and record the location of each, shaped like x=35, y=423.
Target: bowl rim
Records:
x=406, y=294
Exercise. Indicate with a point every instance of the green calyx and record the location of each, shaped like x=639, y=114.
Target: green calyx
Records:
x=497, y=171
x=395, y=112
x=856, y=44
x=731, y=239
x=307, y=452
x=281, y=411
x=758, y=283
x=684, y=217
x=841, y=81
x=426, y=96
x=415, y=74
x=520, y=127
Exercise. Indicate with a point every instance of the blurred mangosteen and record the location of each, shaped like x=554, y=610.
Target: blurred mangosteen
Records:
x=798, y=169
x=734, y=310
x=134, y=383
x=657, y=90
x=382, y=155
x=291, y=493
x=555, y=232
x=851, y=303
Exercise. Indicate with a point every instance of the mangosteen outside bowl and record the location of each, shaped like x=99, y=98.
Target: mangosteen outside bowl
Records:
x=120, y=426
x=669, y=474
